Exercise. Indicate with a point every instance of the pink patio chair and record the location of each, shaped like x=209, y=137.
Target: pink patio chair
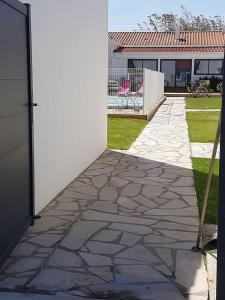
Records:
x=124, y=88
x=141, y=89
x=140, y=92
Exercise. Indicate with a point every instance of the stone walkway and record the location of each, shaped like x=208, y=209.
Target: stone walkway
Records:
x=122, y=230
x=203, y=150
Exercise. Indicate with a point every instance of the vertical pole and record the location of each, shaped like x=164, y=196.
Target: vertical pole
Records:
x=208, y=185
x=221, y=204
x=31, y=104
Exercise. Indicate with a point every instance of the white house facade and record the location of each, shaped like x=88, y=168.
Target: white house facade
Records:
x=196, y=55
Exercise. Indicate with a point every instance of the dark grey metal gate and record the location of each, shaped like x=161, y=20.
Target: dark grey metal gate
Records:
x=16, y=176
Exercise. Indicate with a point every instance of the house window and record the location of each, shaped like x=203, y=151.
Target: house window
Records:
x=151, y=64
x=208, y=67
x=168, y=67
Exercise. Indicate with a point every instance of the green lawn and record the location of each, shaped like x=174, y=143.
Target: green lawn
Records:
x=201, y=168
x=202, y=126
x=203, y=103
x=123, y=132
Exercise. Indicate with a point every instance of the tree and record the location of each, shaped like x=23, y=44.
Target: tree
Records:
x=186, y=20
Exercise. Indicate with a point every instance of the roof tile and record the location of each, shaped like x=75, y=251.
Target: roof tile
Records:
x=193, y=41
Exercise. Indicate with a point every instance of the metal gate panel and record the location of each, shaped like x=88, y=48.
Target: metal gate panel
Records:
x=16, y=167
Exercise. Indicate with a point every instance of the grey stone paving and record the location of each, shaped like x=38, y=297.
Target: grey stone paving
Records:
x=123, y=229
x=203, y=150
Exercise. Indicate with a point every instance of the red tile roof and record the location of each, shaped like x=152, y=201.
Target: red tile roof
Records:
x=168, y=49
x=193, y=41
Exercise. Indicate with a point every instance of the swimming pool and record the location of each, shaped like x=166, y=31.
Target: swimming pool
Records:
x=124, y=102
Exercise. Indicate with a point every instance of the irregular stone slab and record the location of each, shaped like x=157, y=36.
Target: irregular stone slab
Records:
x=163, y=270
x=190, y=272
x=103, y=248
x=142, y=209
x=176, y=203
x=138, y=229
x=106, y=206
x=68, y=206
x=62, y=258
x=100, y=181
x=156, y=239
x=159, y=179
x=80, y=232
x=108, y=193
x=12, y=283
x=46, y=239
x=169, y=195
x=137, y=273
x=104, y=273
x=189, y=211
x=184, y=191
x=46, y=223
x=24, y=264
x=71, y=194
x=92, y=215
x=96, y=260
x=184, y=181
x=175, y=226
x=180, y=235
x=144, y=180
x=89, y=190
x=107, y=235
x=176, y=245
x=133, y=173
x=58, y=212
x=129, y=239
x=193, y=221
x=123, y=261
x=131, y=189
x=152, y=191
x=145, y=201
x=23, y=249
x=105, y=170
x=142, y=291
x=191, y=200
x=166, y=256
x=138, y=253
x=53, y=279
x=118, y=182
x=126, y=202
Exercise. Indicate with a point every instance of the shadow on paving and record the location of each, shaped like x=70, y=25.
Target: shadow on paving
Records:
x=122, y=230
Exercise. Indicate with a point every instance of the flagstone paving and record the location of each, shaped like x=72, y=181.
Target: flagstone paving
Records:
x=123, y=229
x=203, y=150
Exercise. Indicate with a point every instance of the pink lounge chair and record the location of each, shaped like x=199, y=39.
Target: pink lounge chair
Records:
x=139, y=92
x=124, y=88
x=141, y=89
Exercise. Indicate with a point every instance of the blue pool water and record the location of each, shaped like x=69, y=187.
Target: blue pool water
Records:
x=114, y=101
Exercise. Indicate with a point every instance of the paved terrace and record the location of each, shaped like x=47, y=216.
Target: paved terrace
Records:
x=122, y=230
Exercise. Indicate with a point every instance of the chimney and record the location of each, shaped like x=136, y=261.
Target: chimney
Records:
x=177, y=33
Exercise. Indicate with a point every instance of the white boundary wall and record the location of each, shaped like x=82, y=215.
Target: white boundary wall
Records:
x=70, y=47
x=153, y=88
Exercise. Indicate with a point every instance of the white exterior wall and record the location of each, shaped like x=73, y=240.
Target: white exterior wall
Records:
x=120, y=60
x=70, y=41
x=153, y=88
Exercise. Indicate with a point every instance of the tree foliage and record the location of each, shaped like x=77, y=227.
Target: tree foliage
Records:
x=186, y=20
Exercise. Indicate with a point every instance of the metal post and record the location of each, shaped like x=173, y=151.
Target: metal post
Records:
x=221, y=205
x=207, y=189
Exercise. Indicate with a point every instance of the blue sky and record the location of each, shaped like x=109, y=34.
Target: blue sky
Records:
x=124, y=14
